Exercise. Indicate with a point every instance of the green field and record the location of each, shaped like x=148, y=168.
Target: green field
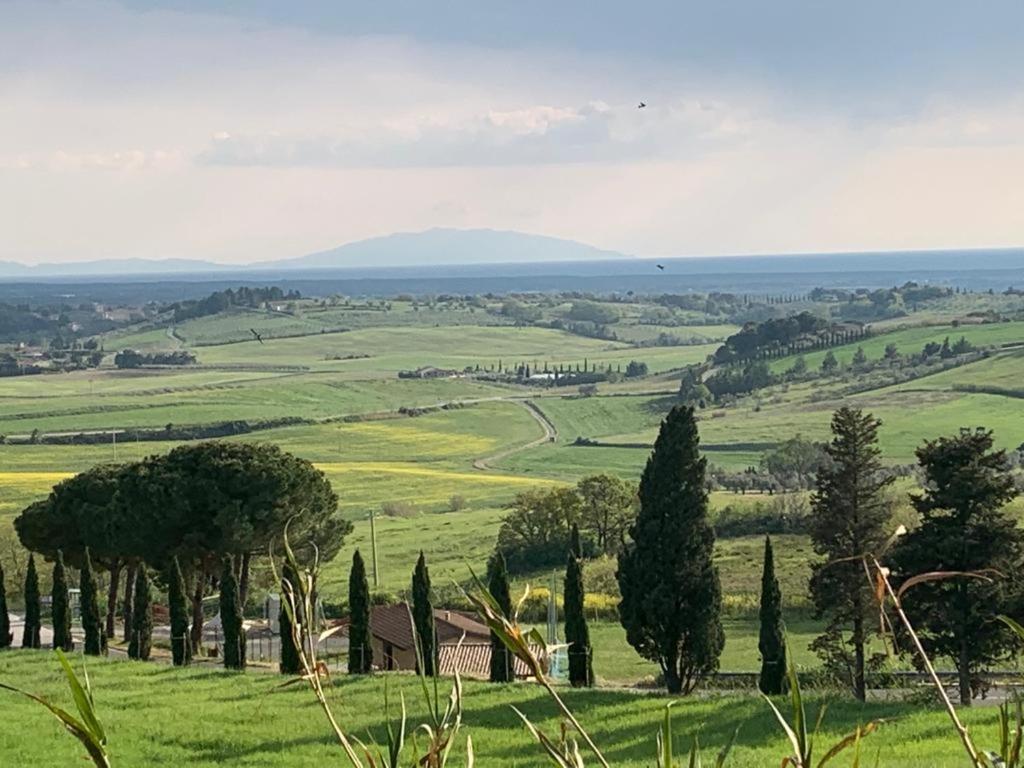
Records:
x=344, y=386
x=205, y=717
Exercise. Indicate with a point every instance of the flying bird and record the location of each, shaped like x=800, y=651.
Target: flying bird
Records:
x=641, y=105
x=660, y=266
x=258, y=337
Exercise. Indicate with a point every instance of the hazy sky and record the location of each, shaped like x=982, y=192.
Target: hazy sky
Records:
x=243, y=131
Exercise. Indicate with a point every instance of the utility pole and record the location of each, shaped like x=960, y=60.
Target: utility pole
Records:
x=373, y=551
x=113, y=443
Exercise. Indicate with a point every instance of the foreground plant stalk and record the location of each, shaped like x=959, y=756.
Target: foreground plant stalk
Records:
x=965, y=738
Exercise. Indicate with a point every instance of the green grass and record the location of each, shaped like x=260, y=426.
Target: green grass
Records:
x=310, y=396
x=393, y=349
x=204, y=717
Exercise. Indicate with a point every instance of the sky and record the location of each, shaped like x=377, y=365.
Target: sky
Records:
x=248, y=131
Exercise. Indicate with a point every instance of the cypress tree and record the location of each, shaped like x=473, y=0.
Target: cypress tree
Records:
x=577, y=634
x=181, y=647
x=6, y=638
x=772, y=639
x=231, y=618
x=290, y=663
x=849, y=520
x=141, y=639
x=502, y=662
x=360, y=648
x=60, y=610
x=423, y=616
x=92, y=621
x=671, y=595
x=33, y=608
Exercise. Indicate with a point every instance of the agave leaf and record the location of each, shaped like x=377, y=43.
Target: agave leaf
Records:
x=799, y=712
x=330, y=632
x=695, y=753
x=1013, y=625
x=922, y=578
x=96, y=749
x=1013, y=756
x=851, y=739
x=83, y=699
x=724, y=752
x=554, y=754
x=790, y=734
x=665, y=739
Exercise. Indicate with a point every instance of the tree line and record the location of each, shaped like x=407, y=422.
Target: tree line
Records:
x=193, y=510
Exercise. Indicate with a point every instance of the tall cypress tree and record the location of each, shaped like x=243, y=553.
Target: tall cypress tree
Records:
x=92, y=620
x=964, y=528
x=181, y=647
x=33, y=607
x=290, y=663
x=6, y=638
x=502, y=661
x=772, y=638
x=423, y=616
x=577, y=634
x=60, y=610
x=231, y=618
x=360, y=648
x=849, y=520
x=141, y=640
x=671, y=595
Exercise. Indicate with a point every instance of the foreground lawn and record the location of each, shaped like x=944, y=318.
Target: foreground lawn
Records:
x=203, y=716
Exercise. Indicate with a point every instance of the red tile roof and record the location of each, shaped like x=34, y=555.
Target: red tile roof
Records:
x=393, y=624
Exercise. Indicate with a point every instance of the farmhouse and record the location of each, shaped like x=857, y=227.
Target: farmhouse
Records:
x=464, y=644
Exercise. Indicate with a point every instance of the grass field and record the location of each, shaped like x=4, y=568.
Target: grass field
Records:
x=204, y=717
x=390, y=350
x=416, y=466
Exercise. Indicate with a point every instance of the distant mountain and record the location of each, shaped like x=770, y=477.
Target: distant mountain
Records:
x=109, y=267
x=449, y=246
x=429, y=248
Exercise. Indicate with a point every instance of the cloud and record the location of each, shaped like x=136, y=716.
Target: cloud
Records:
x=534, y=135
x=241, y=132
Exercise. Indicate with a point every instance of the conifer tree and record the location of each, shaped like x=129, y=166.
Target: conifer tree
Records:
x=231, y=618
x=92, y=621
x=502, y=669
x=771, y=641
x=577, y=634
x=290, y=663
x=850, y=515
x=33, y=607
x=964, y=528
x=423, y=616
x=177, y=599
x=60, y=610
x=360, y=648
x=140, y=642
x=6, y=638
x=671, y=595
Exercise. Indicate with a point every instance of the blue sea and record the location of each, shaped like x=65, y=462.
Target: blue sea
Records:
x=976, y=270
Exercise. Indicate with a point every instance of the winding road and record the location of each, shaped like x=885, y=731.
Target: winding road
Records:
x=550, y=436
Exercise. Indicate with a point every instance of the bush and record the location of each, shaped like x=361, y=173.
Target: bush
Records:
x=785, y=513
x=398, y=509
x=457, y=503
x=636, y=368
